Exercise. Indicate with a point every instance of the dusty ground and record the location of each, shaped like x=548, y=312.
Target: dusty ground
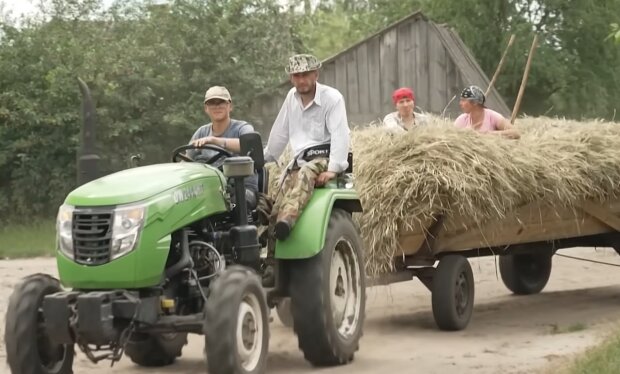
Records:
x=507, y=334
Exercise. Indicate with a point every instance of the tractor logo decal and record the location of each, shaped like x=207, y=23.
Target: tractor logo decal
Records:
x=187, y=193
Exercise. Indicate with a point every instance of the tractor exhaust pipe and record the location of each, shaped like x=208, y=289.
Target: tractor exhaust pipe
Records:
x=87, y=159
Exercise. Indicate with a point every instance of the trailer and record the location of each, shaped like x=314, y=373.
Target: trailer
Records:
x=525, y=240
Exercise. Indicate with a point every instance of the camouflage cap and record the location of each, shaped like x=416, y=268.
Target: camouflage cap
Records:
x=302, y=63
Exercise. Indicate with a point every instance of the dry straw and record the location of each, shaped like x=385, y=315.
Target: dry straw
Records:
x=406, y=179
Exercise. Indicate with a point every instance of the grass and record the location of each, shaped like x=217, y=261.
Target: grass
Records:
x=603, y=359
x=22, y=241
x=557, y=329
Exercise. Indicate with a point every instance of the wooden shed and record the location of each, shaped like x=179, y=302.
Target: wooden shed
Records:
x=415, y=52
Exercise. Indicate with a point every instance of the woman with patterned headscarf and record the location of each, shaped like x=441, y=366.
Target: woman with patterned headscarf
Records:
x=480, y=118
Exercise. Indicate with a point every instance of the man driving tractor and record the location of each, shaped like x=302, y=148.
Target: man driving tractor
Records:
x=224, y=132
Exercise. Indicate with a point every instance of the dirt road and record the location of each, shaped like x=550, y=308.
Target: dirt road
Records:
x=508, y=334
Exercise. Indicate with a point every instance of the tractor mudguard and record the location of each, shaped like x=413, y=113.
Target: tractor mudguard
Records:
x=308, y=235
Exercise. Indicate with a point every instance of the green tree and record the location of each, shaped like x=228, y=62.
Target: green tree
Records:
x=335, y=25
x=572, y=72
x=326, y=31
x=147, y=67
x=615, y=33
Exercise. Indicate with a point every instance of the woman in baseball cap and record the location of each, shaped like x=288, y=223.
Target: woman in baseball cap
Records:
x=478, y=117
x=404, y=118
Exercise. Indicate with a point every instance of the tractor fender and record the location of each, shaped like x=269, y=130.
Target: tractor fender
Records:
x=308, y=235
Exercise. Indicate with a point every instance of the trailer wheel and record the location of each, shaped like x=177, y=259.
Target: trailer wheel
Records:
x=237, y=323
x=525, y=274
x=328, y=295
x=284, y=312
x=155, y=350
x=453, y=293
x=28, y=347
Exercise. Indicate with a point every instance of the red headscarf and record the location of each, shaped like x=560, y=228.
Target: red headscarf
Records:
x=401, y=93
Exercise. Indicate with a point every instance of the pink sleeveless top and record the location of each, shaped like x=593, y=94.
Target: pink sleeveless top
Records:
x=489, y=123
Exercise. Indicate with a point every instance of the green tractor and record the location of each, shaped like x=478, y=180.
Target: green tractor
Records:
x=147, y=255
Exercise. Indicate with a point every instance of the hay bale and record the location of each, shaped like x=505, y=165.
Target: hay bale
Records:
x=404, y=180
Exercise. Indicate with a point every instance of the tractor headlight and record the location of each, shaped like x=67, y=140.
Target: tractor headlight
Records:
x=64, y=224
x=128, y=222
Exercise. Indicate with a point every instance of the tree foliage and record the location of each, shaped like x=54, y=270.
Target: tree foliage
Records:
x=148, y=69
x=615, y=33
x=573, y=74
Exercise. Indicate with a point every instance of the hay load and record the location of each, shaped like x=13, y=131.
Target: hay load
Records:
x=406, y=180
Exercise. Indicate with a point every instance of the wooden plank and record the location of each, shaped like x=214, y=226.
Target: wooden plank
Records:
x=374, y=75
x=341, y=78
x=352, y=83
x=421, y=61
x=405, y=56
x=389, y=69
x=531, y=223
x=437, y=71
x=603, y=214
x=410, y=242
x=364, y=95
x=412, y=58
x=453, y=88
x=276, y=104
x=327, y=74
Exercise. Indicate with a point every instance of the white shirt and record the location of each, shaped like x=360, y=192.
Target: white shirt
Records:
x=393, y=121
x=323, y=120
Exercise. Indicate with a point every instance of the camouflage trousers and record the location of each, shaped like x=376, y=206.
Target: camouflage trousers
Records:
x=297, y=185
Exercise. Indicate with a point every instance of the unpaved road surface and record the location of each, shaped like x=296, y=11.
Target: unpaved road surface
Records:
x=507, y=334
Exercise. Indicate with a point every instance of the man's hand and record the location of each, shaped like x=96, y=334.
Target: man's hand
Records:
x=324, y=177
x=202, y=141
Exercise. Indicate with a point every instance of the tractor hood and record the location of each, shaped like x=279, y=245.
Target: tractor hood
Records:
x=136, y=184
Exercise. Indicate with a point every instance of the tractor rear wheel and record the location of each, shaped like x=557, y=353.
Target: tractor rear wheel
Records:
x=328, y=295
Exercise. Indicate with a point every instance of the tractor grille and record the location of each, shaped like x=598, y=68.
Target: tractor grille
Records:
x=92, y=236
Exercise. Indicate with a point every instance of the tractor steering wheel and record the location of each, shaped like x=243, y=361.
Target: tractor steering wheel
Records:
x=178, y=153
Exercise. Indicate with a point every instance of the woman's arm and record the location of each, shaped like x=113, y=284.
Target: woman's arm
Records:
x=504, y=127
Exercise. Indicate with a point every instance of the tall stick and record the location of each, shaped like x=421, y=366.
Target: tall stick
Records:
x=515, y=110
x=500, y=65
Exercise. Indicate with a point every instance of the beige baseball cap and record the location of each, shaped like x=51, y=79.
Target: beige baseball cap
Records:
x=217, y=92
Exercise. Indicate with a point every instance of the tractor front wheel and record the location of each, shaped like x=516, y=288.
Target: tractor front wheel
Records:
x=237, y=323
x=29, y=349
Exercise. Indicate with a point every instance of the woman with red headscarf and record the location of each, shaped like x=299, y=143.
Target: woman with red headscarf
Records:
x=404, y=118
